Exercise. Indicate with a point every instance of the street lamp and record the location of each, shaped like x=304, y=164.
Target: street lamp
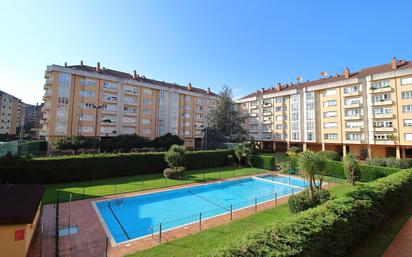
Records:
x=95, y=127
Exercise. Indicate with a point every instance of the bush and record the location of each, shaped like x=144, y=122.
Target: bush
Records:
x=294, y=151
x=331, y=229
x=331, y=155
x=86, y=167
x=263, y=162
x=300, y=202
x=390, y=162
x=173, y=173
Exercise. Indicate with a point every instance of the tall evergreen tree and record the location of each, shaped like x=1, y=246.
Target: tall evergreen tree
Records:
x=226, y=122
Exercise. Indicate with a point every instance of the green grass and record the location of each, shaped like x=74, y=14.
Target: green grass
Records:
x=381, y=237
x=223, y=235
x=102, y=187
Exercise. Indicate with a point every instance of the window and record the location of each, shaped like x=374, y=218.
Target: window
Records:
x=131, y=90
x=330, y=114
x=407, y=123
x=330, y=136
x=254, y=103
x=129, y=120
x=295, y=136
x=408, y=136
x=147, y=111
x=330, y=92
x=310, y=125
x=86, y=117
x=382, y=124
x=87, y=82
x=147, y=91
x=406, y=81
x=146, y=121
x=107, y=130
x=64, y=78
x=129, y=109
x=310, y=136
x=353, y=112
x=279, y=118
x=86, y=105
x=147, y=101
x=329, y=125
x=406, y=108
x=329, y=103
x=406, y=94
x=62, y=102
x=380, y=84
x=110, y=107
x=85, y=129
x=130, y=99
x=351, y=89
x=354, y=124
x=87, y=93
x=279, y=100
x=350, y=101
x=354, y=137
x=383, y=137
x=280, y=108
x=382, y=111
x=146, y=131
x=186, y=115
x=311, y=96
x=383, y=97
x=110, y=85
x=109, y=97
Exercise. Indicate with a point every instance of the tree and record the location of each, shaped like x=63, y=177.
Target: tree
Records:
x=312, y=163
x=243, y=152
x=226, y=122
x=351, y=168
x=123, y=143
x=73, y=143
x=175, y=157
x=166, y=141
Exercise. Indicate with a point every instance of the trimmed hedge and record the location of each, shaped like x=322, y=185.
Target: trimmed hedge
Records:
x=329, y=230
x=390, y=162
x=263, y=162
x=367, y=172
x=87, y=167
x=331, y=155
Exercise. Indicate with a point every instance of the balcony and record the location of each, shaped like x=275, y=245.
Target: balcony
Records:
x=383, y=129
x=49, y=81
x=46, y=106
x=383, y=116
x=348, y=141
x=353, y=129
x=380, y=90
x=130, y=92
x=382, y=102
x=267, y=114
x=254, y=107
x=109, y=100
x=354, y=117
x=356, y=105
x=353, y=93
x=130, y=103
x=110, y=89
x=267, y=105
x=253, y=115
x=267, y=122
x=384, y=142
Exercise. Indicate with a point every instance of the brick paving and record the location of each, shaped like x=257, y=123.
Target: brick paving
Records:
x=91, y=240
x=401, y=246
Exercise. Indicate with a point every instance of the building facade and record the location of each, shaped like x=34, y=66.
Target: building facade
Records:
x=370, y=109
x=84, y=100
x=11, y=113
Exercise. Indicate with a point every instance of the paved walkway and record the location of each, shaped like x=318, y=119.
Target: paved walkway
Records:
x=401, y=246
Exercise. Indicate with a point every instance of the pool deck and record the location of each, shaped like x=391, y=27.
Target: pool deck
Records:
x=91, y=240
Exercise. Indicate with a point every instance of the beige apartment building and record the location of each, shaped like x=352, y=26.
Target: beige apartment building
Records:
x=11, y=113
x=368, y=109
x=79, y=99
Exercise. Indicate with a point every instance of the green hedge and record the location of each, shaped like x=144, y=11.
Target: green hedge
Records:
x=367, y=173
x=332, y=229
x=263, y=162
x=87, y=167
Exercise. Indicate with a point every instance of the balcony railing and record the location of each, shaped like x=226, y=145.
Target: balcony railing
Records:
x=382, y=102
x=380, y=90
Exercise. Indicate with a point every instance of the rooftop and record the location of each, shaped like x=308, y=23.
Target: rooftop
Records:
x=135, y=76
x=19, y=203
x=394, y=65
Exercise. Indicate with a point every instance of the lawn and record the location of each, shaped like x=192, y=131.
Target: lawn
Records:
x=102, y=187
x=220, y=236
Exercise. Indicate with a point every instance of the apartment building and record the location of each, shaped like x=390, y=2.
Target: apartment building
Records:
x=79, y=99
x=11, y=113
x=369, y=109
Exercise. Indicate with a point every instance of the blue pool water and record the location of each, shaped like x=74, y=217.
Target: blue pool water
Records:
x=133, y=217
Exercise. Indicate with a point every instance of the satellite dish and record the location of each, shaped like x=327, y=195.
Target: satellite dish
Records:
x=324, y=73
x=299, y=79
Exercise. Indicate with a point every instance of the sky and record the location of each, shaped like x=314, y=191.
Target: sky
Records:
x=246, y=45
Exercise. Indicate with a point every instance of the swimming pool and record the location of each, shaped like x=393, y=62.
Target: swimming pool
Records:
x=138, y=216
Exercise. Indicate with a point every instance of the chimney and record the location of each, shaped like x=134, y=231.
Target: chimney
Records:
x=208, y=90
x=65, y=64
x=189, y=86
x=98, y=67
x=394, y=63
x=135, y=76
x=263, y=89
x=81, y=63
x=346, y=73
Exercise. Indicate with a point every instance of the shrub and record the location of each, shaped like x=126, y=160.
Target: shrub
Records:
x=294, y=151
x=300, y=202
x=351, y=168
x=243, y=152
x=331, y=229
x=331, y=155
x=174, y=173
x=86, y=167
x=390, y=162
x=263, y=162
x=175, y=156
x=364, y=153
